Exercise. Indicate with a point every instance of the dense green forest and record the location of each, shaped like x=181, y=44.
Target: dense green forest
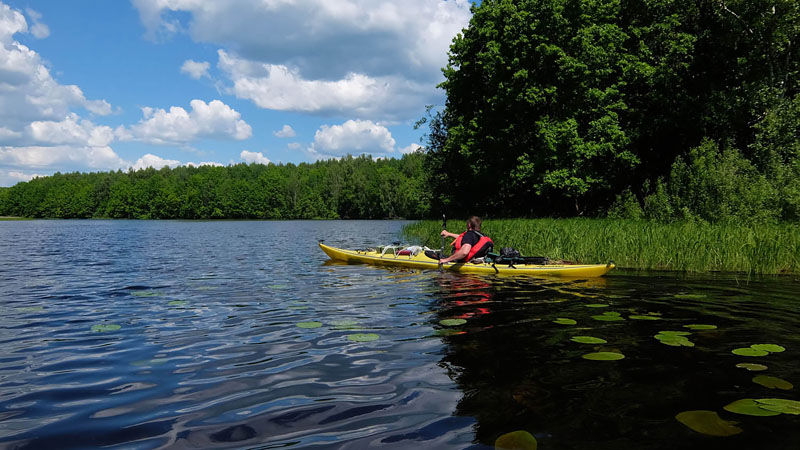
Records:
x=664, y=109
x=657, y=109
x=346, y=188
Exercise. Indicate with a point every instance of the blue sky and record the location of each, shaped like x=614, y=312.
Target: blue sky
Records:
x=89, y=85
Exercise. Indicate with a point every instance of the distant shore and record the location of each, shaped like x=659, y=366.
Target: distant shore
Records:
x=11, y=218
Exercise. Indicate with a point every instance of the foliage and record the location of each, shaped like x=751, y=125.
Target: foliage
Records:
x=352, y=187
x=635, y=244
x=556, y=106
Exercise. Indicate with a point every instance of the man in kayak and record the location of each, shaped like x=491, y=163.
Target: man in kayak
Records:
x=469, y=244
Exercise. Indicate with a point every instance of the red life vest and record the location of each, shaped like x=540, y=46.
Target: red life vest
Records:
x=483, y=242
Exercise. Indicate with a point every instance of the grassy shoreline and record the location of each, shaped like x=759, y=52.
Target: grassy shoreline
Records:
x=641, y=245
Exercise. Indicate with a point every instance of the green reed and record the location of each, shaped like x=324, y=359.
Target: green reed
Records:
x=682, y=246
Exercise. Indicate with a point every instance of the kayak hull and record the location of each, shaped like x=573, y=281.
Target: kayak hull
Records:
x=421, y=261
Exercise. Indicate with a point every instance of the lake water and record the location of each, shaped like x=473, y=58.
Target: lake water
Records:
x=147, y=334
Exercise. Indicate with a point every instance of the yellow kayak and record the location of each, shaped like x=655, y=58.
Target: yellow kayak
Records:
x=420, y=261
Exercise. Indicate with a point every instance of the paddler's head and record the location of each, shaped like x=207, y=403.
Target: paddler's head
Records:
x=474, y=223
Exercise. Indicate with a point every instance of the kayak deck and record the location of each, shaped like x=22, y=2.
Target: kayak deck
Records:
x=421, y=261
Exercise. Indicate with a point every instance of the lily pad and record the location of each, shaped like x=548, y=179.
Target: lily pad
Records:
x=675, y=333
x=611, y=313
x=674, y=340
x=749, y=407
x=596, y=305
x=708, y=423
x=603, y=356
x=779, y=405
x=177, y=303
x=588, y=340
x=27, y=309
x=309, y=324
x=146, y=294
x=565, y=321
x=345, y=324
x=772, y=382
x=700, y=326
x=772, y=348
x=641, y=317
x=363, y=337
x=452, y=322
x=103, y=327
x=516, y=440
x=749, y=351
x=608, y=318
x=752, y=367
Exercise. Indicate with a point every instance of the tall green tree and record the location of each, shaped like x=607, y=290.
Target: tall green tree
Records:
x=555, y=106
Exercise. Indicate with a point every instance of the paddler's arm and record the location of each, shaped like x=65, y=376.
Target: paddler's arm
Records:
x=446, y=233
x=460, y=254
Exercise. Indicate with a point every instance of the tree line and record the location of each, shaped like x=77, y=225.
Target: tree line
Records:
x=664, y=109
x=350, y=187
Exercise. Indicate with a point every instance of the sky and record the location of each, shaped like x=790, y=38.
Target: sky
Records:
x=89, y=86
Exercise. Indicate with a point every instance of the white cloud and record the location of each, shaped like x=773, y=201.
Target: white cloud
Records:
x=214, y=120
x=71, y=131
x=39, y=30
x=363, y=58
x=410, y=149
x=156, y=162
x=11, y=177
x=293, y=145
x=280, y=88
x=61, y=157
x=354, y=137
x=253, y=157
x=195, y=69
x=285, y=132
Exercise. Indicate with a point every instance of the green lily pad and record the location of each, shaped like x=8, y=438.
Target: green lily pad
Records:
x=102, y=328
x=674, y=341
x=309, y=324
x=596, y=305
x=564, y=321
x=708, y=423
x=363, y=337
x=603, y=356
x=587, y=340
x=447, y=332
x=452, y=322
x=608, y=318
x=611, y=313
x=779, y=405
x=28, y=309
x=752, y=367
x=749, y=351
x=345, y=324
x=700, y=326
x=177, y=303
x=675, y=333
x=516, y=440
x=641, y=317
x=749, y=407
x=279, y=287
x=772, y=382
x=772, y=348
x=298, y=307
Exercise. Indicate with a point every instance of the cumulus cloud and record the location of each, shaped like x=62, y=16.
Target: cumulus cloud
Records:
x=156, y=162
x=48, y=157
x=364, y=58
x=253, y=157
x=354, y=137
x=195, y=69
x=38, y=30
x=285, y=132
x=410, y=149
x=214, y=120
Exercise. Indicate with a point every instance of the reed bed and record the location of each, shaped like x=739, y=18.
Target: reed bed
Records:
x=641, y=245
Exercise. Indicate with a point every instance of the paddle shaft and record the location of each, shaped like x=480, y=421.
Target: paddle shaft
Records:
x=444, y=227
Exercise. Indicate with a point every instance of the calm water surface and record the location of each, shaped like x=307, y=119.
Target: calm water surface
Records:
x=185, y=335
